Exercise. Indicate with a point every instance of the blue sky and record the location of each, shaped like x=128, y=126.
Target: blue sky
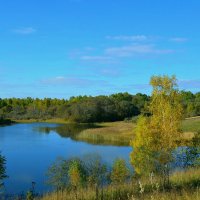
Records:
x=67, y=48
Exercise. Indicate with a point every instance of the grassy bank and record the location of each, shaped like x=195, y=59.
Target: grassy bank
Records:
x=183, y=186
x=122, y=132
x=109, y=133
x=118, y=133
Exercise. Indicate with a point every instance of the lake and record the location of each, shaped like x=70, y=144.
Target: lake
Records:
x=31, y=148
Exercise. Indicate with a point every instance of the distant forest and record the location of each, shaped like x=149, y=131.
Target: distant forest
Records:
x=88, y=109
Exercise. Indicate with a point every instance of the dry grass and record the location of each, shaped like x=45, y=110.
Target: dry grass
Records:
x=188, y=135
x=173, y=195
x=191, y=176
x=111, y=133
x=91, y=195
x=185, y=186
x=196, y=117
x=120, y=133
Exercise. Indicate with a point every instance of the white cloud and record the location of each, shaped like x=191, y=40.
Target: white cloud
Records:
x=135, y=49
x=25, y=30
x=144, y=38
x=178, y=39
x=96, y=58
x=137, y=38
x=138, y=45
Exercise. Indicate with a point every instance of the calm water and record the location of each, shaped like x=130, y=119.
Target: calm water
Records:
x=31, y=148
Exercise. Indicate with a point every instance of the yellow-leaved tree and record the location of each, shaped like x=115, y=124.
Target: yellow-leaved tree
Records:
x=157, y=136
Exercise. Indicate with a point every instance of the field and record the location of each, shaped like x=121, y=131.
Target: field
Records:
x=191, y=124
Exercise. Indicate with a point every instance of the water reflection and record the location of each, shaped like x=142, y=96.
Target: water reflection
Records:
x=74, y=132
x=30, y=149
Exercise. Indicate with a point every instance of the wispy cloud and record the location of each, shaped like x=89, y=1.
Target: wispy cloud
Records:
x=74, y=53
x=135, y=49
x=111, y=72
x=25, y=30
x=178, y=39
x=96, y=58
x=73, y=81
x=130, y=46
x=145, y=38
x=135, y=38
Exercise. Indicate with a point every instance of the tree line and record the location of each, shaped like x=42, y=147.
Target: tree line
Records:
x=76, y=109
x=87, y=108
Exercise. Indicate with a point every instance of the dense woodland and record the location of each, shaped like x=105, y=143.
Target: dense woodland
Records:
x=87, y=108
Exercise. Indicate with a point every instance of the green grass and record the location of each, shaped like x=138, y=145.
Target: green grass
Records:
x=191, y=125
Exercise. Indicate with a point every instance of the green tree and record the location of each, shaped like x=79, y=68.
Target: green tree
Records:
x=58, y=174
x=77, y=173
x=120, y=172
x=142, y=155
x=96, y=170
x=157, y=135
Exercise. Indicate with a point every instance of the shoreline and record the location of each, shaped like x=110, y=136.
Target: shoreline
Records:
x=119, y=133
x=4, y=122
x=109, y=133
x=55, y=120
